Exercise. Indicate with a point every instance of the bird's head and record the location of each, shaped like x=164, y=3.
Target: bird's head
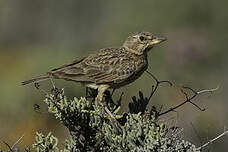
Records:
x=141, y=42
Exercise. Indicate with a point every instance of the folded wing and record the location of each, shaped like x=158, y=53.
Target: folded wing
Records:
x=105, y=66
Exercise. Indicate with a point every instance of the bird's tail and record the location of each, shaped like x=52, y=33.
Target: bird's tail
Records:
x=36, y=79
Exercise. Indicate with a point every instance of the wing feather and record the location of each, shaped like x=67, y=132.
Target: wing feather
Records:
x=69, y=65
x=105, y=66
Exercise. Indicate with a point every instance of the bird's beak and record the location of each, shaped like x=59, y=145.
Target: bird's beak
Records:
x=157, y=40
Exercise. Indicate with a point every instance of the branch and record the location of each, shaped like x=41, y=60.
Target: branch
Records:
x=17, y=141
x=189, y=99
x=158, y=82
x=214, y=139
x=7, y=145
x=12, y=147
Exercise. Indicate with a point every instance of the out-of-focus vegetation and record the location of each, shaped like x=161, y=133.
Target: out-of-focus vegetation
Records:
x=36, y=36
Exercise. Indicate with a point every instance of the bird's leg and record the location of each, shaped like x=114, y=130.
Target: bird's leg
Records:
x=113, y=90
x=101, y=90
x=52, y=82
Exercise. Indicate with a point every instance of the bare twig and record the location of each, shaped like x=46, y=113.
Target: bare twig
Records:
x=52, y=82
x=7, y=145
x=201, y=109
x=158, y=82
x=208, y=90
x=17, y=141
x=113, y=90
x=214, y=139
x=12, y=147
x=189, y=99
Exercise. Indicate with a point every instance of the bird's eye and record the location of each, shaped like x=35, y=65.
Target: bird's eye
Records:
x=142, y=38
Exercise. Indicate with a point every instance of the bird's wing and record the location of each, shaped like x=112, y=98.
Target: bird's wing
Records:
x=67, y=65
x=105, y=66
x=109, y=73
x=73, y=71
x=109, y=65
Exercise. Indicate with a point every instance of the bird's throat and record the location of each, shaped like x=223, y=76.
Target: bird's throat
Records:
x=133, y=51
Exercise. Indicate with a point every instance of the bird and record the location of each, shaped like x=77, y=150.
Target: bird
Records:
x=111, y=67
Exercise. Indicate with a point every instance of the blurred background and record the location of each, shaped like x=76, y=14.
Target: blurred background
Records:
x=36, y=36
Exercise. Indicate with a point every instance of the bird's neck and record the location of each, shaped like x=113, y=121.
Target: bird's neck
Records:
x=136, y=52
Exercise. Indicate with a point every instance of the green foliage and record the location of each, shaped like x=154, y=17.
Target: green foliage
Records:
x=143, y=134
x=93, y=130
x=45, y=143
x=49, y=143
x=82, y=118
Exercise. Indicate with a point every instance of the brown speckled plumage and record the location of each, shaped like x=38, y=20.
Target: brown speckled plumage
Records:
x=112, y=66
x=108, y=67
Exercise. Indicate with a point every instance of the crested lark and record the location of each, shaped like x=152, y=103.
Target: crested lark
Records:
x=111, y=67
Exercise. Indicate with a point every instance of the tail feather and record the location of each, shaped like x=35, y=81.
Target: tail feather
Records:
x=36, y=79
